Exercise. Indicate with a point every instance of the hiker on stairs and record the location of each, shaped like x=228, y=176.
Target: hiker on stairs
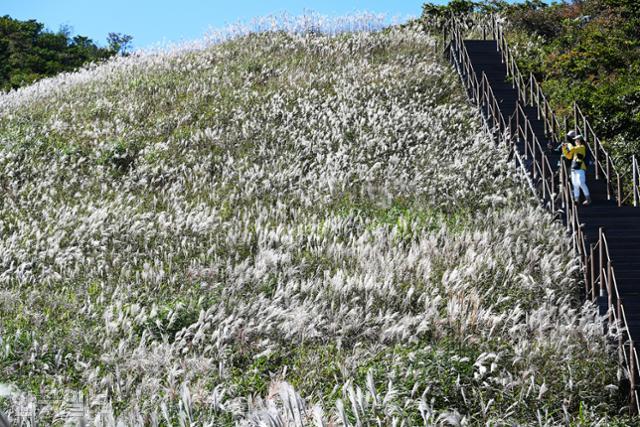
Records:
x=568, y=144
x=578, y=154
x=570, y=136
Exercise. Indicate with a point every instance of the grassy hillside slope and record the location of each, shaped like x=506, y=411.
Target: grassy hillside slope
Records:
x=279, y=229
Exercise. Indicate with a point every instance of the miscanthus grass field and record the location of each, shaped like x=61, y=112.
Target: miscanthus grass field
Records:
x=285, y=228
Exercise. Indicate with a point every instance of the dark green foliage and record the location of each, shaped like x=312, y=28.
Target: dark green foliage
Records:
x=536, y=17
x=434, y=14
x=593, y=58
x=28, y=52
x=587, y=51
x=457, y=7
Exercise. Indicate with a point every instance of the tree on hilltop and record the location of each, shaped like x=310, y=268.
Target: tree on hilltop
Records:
x=119, y=43
x=29, y=52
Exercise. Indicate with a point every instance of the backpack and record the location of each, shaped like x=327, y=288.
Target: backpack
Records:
x=579, y=159
x=576, y=162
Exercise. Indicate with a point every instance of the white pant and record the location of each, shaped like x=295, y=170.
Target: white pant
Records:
x=579, y=181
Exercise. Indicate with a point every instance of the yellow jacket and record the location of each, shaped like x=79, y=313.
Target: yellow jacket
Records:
x=571, y=153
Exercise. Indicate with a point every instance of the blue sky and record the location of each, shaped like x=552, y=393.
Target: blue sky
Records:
x=151, y=22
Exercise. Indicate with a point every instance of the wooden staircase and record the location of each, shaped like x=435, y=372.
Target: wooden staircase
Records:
x=606, y=234
x=622, y=224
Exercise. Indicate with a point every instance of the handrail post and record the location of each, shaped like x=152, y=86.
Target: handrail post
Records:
x=596, y=150
x=544, y=176
x=632, y=375
x=511, y=72
x=600, y=260
x=568, y=197
x=552, y=190
x=592, y=278
x=620, y=324
x=526, y=137
x=619, y=190
x=587, y=272
x=561, y=191
x=494, y=25
x=577, y=233
x=608, y=177
x=634, y=166
x=610, y=286
x=517, y=123
x=538, y=100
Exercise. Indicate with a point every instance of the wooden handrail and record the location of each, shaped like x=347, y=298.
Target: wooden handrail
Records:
x=619, y=318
